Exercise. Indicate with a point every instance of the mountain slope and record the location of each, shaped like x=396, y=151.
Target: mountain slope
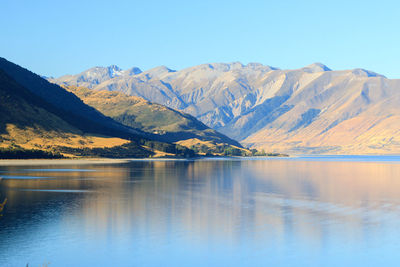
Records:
x=168, y=124
x=307, y=110
x=66, y=104
x=354, y=115
x=26, y=120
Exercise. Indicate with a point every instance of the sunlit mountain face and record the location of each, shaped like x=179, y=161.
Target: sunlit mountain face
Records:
x=308, y=110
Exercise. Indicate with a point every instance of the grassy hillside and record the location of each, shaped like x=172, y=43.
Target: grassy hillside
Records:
x=165, y=123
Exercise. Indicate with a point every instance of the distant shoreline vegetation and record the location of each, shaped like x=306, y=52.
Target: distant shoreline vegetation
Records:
x=231, y=151
x=132, y=150
x=17, y=152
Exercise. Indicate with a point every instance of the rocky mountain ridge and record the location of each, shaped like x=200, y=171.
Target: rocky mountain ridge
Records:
x=308, y=110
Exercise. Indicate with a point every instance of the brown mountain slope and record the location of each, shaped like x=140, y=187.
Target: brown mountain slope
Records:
x=167, y=124
x=350, y=114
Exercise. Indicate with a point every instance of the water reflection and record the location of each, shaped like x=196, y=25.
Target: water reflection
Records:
x=311, y=213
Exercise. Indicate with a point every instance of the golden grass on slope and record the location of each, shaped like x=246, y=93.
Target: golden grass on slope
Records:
x=194, y=142
x=143, y=114
x=158, y=153
x=35, y=138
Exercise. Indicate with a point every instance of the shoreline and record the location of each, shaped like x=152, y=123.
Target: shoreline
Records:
x=88, y=161
x=22, y=162
x=91, y=161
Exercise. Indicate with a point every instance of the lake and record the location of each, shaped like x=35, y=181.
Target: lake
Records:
x=305, y=211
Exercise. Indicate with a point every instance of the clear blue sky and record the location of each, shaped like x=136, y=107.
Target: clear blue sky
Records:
x=59, y=37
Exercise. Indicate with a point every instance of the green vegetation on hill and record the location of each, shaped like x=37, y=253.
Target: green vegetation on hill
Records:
x=130, y=150
x=175, y=149
x=230, y=151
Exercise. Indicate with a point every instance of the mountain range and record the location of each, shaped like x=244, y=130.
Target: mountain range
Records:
x=39, y=115
x=309, y=110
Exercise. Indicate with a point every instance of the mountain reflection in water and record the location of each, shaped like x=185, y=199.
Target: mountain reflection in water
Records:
x=212, y=212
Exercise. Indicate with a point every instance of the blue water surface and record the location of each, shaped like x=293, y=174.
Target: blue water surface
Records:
x=297, y=211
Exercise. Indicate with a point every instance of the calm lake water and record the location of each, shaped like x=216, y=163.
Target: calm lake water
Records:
x=309, y=211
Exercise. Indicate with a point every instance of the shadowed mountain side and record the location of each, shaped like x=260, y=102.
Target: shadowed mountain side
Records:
x=165, y=123
x=66, y=104
x=20, y=107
